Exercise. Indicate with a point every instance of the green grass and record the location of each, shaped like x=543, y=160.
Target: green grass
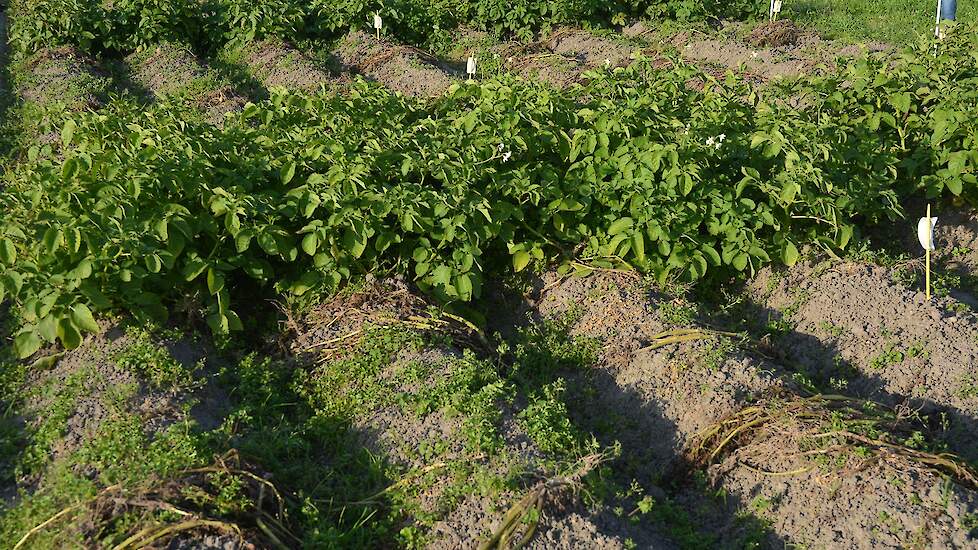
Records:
x=897, y=22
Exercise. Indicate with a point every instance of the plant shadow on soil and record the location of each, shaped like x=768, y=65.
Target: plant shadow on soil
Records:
x=819, y=365
x=241, y=79
x=12, y=425
x=317, y=455
x=617, y=415
x=124, y=84
x=247, y=409
x=650, y=458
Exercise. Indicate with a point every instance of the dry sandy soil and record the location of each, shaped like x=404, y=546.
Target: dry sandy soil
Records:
x=659, y=400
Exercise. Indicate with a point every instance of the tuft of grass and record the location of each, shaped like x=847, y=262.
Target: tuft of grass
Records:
x=12, y=437
x=121, y=456
x=355, y=376
x=542, y=351
x=968, y=387
x=678, y=312
x=969, y=522
x=832, y=329
x=61, y=398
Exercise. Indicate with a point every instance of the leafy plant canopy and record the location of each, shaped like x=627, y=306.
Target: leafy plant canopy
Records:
x=123, y=26
x=634, y=169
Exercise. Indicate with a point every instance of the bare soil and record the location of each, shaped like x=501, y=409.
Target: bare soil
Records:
x=401, y=68
x=172, y=70
x=671, y=392
x=882, y=340
x=164, y=70
x=103, y=380
x=56, y=74
x=656, y=402
x=875, y=504
x=577, y=527
x=217, y=104
x=560, y=58
x=279, y=64
x=590, y=50
x=772, y=51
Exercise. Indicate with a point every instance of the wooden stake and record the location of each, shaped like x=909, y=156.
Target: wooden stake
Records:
x=930, y=239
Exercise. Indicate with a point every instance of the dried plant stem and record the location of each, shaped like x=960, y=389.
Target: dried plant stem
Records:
x=147, y=536
x=535, y=499
x=681, y=335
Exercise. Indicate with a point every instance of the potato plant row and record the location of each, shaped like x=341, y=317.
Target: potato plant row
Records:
x=123, y=26
x=638, y=168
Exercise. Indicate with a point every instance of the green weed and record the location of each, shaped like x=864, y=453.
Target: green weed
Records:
x=544, y=350
x=831, y=329
x=148, y=358
x=547, y=423
x=352, y=384
x=678, y=312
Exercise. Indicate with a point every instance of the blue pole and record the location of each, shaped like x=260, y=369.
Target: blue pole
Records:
x=949, y=9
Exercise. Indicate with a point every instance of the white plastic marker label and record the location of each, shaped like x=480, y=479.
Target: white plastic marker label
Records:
x=777, y=6
x=925, y=236
x=378, y=22
x=470, y=67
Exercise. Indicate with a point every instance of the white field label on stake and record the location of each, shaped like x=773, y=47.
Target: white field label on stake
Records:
x=378, y=22
x=470, y=67
x=923, y=233
x=777, y=7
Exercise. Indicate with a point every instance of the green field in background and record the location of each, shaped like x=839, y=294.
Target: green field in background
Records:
x=893, y=21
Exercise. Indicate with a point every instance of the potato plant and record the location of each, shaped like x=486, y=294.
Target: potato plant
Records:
x=635, y=169
x=918, y=107
x=124, y=26
x=98, y=27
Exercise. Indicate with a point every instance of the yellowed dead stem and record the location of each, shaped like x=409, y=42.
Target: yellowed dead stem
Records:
x=44, y=524
x=147, y=536
x=535, y=500
x=678, y=336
